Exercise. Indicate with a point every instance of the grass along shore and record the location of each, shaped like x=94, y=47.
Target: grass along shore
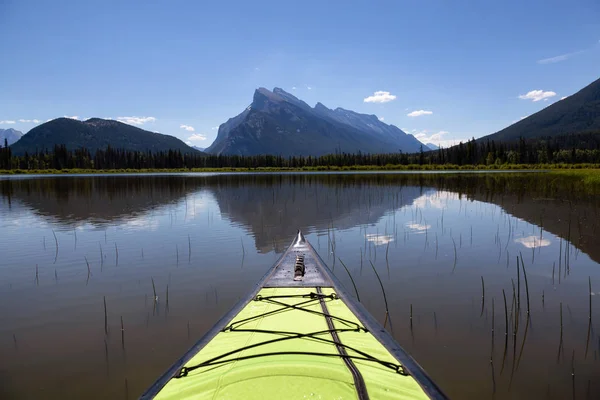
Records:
x=583, y=176
x=591, y=171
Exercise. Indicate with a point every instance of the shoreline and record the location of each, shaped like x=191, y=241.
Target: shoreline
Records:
x=332, y=168
x=587, y=175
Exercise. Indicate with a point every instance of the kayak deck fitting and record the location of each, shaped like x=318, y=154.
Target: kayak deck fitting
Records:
x=297, y=335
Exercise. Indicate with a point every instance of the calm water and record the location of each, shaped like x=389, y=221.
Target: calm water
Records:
x=209, y=238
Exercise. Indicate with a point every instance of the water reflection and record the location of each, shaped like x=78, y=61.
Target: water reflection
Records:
x=272, y=207
x=436, y=240
x=531, y=242
x=98, y=200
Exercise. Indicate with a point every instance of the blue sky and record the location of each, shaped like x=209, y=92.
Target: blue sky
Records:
x=458, y=66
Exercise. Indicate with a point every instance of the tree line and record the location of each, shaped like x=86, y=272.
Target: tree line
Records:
x=574, y=149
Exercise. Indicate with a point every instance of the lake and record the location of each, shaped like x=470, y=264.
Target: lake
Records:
x=448, y=248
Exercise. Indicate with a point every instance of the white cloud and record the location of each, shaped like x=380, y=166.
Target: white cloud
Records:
x=379, y=240
x=187, y=128
x=35, y=121
x=436, y=138
x=450, y=142
x=214, y=128
x=196, y=137
x=293, y=87
x=425, y=137
x=418, y=227
x=141, y=223
x=524, y=117
x=381, y=119
x=419, y=113
x=437, y=200
x=564, y=97
x=562, y=57
x=73, y=117
x=7, y=122
x=309, y=88
x=532, y=242
x=537, y=95
x=380, y=97
x=136, y=120
x=188, y=143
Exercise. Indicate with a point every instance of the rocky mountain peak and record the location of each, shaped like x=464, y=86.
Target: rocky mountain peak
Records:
x=275, y=118
x=321, y=107
x=11, y=135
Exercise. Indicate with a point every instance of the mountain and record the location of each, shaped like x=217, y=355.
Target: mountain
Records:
x=95, y=134
x=198, y=148
x=10, y=135
x=432, y=146
x=278, y=123
x=577, y=113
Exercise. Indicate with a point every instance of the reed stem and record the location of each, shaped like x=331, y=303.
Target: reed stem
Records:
x=387, y=249
x=351, y=279
x=56, y=243
x=167, y=302
x=482, y=296
x=587, y=341
x=105, y=318
x=387, y=312
x=526, y=284
x=518, y=287
x=590, y=291
x=543, y=299
x=154, y=289
x=455, y=256
x=122, y=334
x=505, y=331
x=101, y=255
x=560, y=342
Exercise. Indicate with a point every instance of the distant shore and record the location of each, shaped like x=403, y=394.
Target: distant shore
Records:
x=588, y=168
x=584, y=176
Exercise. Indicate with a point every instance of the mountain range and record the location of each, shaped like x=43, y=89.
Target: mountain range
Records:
x=577, y=113
x=278, y=123
x=11, y=136
x=95, y=134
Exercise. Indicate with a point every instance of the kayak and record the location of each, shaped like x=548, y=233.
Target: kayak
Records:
x=297, y=335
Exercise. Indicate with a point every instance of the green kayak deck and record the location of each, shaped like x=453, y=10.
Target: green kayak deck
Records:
x=298, y=335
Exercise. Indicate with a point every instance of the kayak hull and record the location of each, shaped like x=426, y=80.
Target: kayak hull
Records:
x=296, y=337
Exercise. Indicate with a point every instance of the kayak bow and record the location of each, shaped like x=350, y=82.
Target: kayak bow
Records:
x=297, y=335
